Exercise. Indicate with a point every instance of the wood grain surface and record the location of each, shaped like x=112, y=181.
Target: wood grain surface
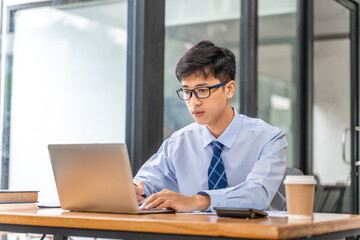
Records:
x=188, y=224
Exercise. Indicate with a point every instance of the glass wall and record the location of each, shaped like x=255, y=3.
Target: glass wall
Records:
x=65, y=82
x=332, y=104
x=187, y=22
x=277, y=34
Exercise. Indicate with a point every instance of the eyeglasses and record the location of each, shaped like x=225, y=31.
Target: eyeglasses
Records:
x=200, y=92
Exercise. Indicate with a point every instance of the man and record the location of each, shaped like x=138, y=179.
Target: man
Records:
x=224, y=159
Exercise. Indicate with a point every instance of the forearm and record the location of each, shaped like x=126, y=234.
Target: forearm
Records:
x=248, y=194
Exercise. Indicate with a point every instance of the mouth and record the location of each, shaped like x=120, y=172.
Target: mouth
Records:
x=198, y=113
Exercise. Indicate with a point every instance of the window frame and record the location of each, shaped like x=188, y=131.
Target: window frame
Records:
x=145, y=70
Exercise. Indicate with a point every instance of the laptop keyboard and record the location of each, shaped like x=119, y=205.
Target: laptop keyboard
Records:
x=154, y=210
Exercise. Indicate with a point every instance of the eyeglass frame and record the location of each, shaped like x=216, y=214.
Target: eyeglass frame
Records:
x=193, y=90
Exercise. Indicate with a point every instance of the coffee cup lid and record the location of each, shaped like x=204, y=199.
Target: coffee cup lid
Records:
x=299, y=179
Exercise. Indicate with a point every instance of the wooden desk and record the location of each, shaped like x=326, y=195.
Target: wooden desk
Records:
x=175, y=226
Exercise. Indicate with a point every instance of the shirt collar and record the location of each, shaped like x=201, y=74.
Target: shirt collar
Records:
x=227, y=138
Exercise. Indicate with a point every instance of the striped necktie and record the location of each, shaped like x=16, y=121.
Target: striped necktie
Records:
x=216, y=173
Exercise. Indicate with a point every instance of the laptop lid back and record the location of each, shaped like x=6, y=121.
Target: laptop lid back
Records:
x=94, y=177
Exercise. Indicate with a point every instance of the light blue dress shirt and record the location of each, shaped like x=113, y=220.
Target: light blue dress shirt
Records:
x=254, y=156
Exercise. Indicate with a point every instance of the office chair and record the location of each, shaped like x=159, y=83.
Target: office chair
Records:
x=288, y=171
x=331, y=198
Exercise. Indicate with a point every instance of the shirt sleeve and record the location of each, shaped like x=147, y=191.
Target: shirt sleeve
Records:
x=158, y=172
x=262, y=183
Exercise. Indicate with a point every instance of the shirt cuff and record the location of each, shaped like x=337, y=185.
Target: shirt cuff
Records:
x=217, y=198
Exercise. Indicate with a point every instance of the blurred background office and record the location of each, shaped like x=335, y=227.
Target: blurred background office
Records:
x=103, y=72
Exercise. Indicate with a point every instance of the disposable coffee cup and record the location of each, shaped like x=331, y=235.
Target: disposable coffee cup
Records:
x=300, y=196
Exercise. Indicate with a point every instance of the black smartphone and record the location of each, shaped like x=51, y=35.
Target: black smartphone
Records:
x=239, y=212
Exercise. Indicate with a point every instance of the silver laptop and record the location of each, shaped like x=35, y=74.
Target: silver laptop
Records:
x=95, y=178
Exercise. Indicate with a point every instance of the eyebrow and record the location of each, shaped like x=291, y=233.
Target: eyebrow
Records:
x=197, y=85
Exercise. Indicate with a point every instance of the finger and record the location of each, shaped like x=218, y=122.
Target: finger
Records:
x=166, y=204
x=140, y=198
x=140, y=184
x=139, y=191
x=147, y=201
x=155, y=196
x=150, y=199
x=155, y=203
x=139, y=187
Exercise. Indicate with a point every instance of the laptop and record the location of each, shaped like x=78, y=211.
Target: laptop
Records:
x=95, y=178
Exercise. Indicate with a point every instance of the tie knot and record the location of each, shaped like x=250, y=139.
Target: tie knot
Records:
x=216, y=147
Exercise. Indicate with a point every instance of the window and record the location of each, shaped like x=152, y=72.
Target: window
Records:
x=65, y=78
x=276, y=67
x=188, y=22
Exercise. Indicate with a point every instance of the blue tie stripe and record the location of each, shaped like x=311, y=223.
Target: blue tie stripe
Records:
x=221, y=178
x=216, y=172
x=213, y=168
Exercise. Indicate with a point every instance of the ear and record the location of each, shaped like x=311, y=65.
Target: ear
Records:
x=230, y=89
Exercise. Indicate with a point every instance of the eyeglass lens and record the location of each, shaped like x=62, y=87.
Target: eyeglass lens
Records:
x=200, y=93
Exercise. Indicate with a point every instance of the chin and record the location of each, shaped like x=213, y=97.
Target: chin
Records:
x=201, y=122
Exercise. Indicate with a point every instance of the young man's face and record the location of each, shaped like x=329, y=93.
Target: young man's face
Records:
x=211, y=110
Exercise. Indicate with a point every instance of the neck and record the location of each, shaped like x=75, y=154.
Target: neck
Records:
x=218, y=127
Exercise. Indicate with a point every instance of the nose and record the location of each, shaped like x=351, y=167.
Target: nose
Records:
x=194, y=101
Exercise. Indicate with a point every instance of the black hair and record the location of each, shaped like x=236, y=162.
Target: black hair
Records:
x=206, y=58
